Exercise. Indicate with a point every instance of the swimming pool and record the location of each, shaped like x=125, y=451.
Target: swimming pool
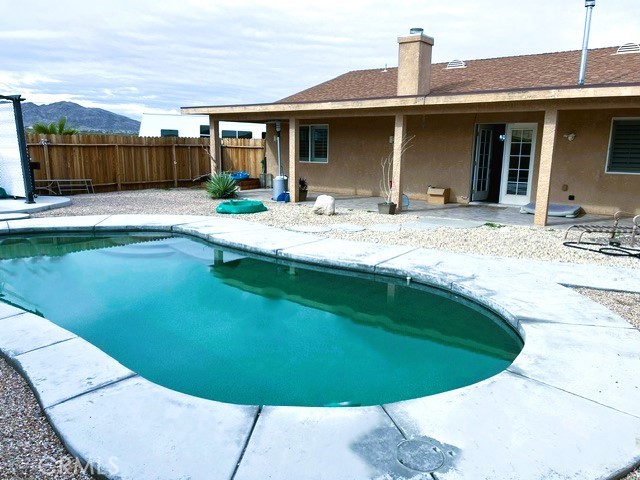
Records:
x=570, y=396
x=232, y=327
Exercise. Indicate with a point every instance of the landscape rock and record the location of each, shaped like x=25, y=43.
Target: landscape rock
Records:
x=325, y=205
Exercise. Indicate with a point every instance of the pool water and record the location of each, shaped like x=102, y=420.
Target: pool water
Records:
x=231, y=327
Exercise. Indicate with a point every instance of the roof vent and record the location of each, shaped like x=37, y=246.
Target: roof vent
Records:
x=416, y=31
x=456, y=64
x=628, y=48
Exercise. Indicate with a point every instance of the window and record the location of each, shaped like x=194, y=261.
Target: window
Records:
x=624, y=146
x=313, y=143
x=168, y=133
x=236, y=134
x=228, y=134
x=205, y=130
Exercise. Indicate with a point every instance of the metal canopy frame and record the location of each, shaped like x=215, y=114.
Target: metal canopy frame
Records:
x=25, y=161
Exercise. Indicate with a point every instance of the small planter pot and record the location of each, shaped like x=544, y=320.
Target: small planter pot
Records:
x=302, y=195
x=387, y=208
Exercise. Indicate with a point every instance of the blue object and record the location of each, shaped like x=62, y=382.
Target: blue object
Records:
x=240, y=175
x=283, y=197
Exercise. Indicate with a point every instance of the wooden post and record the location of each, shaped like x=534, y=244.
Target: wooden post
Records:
x=546, y=162
x=45, y=146
x=175, y=165
x=117, y=169
x=145, y=161
x=398, y=137
x=214, y=141
x=293, y=159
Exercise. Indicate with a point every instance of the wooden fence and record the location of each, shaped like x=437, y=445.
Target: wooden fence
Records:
x=130, y=163
x=244, y=154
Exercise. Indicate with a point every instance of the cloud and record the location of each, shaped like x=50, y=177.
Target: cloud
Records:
x=31, y=34
x=158, y=56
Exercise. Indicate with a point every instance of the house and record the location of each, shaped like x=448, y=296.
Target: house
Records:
x=501, y=130
x=171, y=125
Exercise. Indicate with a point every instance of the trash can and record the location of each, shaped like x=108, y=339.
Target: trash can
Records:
x=279, y=186
x=266, y=180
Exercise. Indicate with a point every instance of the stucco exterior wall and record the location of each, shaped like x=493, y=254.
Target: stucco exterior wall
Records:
x=442, y=150
x=440, y=155
x=581, y=164
x=355, y=148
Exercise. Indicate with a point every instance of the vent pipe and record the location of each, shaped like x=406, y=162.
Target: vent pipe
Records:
x=589, y=4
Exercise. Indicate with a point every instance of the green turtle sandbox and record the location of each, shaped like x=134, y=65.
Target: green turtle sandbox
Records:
x=241, y=206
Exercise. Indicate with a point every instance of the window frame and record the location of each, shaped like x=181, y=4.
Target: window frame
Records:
x=169, y=133
x=609, y=148
x=310, y=158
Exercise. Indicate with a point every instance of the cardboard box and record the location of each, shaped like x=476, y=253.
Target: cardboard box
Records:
x=438, y=195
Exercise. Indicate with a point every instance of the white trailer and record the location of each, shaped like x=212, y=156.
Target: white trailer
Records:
x=173, y=125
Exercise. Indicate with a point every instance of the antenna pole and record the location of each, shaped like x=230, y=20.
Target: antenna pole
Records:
x=589, y=4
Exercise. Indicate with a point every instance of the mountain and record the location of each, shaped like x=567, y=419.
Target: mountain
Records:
x=94, y=120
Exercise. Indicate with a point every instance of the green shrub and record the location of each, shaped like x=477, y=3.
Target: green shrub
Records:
x=222, y=185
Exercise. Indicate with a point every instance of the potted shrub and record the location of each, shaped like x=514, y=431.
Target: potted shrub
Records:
x=388, y=207
x=302, y=189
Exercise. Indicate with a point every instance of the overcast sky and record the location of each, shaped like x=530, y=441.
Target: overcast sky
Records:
x=135, y=56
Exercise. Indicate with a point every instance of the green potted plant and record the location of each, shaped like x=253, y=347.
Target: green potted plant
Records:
x=302, y=189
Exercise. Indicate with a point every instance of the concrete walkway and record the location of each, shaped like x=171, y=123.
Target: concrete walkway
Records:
x=566, y=408
x=42, y=203
x=477, y=213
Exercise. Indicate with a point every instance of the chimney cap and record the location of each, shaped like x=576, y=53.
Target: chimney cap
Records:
x=416, y=31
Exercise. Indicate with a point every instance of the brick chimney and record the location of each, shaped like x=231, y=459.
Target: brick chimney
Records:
x=414, y=63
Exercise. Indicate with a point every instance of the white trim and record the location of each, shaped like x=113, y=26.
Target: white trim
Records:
x=583, y=94
x=511, y=199
x=606, y=164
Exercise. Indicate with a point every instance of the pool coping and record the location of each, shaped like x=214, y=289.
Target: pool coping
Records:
x=566, y=408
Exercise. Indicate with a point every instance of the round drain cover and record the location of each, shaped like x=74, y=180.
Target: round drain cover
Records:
x=420, y=455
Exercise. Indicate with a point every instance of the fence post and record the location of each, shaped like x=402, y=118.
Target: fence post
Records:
x=118, y=169
x=44, y=141
x=175, y=165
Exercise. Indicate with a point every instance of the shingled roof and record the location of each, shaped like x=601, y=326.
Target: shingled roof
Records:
x=527, y=72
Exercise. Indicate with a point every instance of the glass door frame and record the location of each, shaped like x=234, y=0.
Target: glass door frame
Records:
x=481, y=160
x=513, y=199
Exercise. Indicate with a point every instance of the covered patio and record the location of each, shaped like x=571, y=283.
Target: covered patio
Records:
x=508, y=131
x=479, y=212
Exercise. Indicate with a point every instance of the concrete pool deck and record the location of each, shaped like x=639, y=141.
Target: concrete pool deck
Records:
x=566, y=408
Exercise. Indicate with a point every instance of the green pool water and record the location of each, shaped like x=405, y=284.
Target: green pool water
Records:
x=226, y=326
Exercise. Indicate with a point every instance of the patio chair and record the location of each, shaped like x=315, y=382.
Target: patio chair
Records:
x=612, y=230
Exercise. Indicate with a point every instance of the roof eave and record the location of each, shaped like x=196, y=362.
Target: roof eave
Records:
x=537, y=95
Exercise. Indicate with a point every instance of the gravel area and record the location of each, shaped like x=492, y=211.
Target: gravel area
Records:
x=507, y=241
x=29, y=449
